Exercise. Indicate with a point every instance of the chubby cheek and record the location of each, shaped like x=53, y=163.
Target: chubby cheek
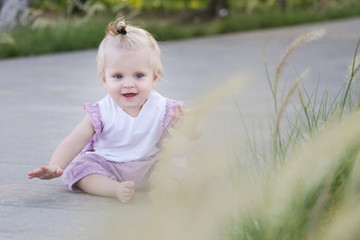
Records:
x=112, y=90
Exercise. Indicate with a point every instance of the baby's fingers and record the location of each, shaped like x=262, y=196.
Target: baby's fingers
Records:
x=177, y=112
x=51, y=172
x=34, y=173
x=45, y=172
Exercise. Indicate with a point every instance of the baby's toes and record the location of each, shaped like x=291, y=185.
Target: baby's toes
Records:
x=126, y=191
x=125, y=198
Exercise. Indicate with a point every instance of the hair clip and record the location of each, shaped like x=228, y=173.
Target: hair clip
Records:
x=122, y=31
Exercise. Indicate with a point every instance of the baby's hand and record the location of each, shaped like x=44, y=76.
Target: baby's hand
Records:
x=46, y=172
x=177, y=116
x=194, y=129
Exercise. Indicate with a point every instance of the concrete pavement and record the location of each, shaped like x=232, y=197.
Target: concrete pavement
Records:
x=41, y=101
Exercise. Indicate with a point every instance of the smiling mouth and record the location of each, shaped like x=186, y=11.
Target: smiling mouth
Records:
x=129, y=94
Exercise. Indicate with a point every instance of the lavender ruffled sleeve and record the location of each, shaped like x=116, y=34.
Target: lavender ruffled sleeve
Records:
x=95, y=117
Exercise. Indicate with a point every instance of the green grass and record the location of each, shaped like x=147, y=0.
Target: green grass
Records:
x=62, y=36
x=69, y=34
x=313, y=183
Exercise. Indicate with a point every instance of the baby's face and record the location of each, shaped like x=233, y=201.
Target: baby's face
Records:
x=129, y=77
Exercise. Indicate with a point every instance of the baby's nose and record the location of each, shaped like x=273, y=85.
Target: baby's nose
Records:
x=129, y=84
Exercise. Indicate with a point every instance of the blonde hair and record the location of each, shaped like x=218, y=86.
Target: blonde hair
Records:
x=129, y=37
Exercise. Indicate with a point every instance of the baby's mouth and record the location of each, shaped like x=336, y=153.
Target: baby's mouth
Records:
x=129, y=94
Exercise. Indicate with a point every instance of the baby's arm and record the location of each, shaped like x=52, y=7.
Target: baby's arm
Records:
x=195, y=129
x=68, y=149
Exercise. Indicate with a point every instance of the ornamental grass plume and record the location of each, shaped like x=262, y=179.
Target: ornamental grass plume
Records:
x=293, y=48
x=309, y=194
x=345, y=224
x=198, y=207
x=287, y=100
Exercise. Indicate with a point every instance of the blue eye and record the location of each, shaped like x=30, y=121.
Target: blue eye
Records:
x=118, y=76
x=139, y=75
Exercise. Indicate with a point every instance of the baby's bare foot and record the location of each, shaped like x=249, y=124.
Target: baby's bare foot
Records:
x=126, y=191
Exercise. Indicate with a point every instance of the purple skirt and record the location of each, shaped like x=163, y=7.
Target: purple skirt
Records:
x=141, y=172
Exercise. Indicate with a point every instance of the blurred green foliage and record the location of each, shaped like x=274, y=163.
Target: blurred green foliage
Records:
x=243, y=5
x=135, y=4
x=65, y=25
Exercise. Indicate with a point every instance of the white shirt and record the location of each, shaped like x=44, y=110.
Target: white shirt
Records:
x=125, y=138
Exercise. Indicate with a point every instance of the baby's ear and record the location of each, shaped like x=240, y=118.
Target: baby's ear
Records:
x=156, y=76
x=103, y=80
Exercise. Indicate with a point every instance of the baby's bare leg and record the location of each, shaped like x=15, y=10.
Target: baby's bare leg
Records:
x=100, y=185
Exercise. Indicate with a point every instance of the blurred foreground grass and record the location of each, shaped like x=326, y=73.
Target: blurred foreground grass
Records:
x=308, y=191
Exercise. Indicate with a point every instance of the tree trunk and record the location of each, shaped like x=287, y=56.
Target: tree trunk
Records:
x=282, y=4
x=214, y=7
x=10, y=12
